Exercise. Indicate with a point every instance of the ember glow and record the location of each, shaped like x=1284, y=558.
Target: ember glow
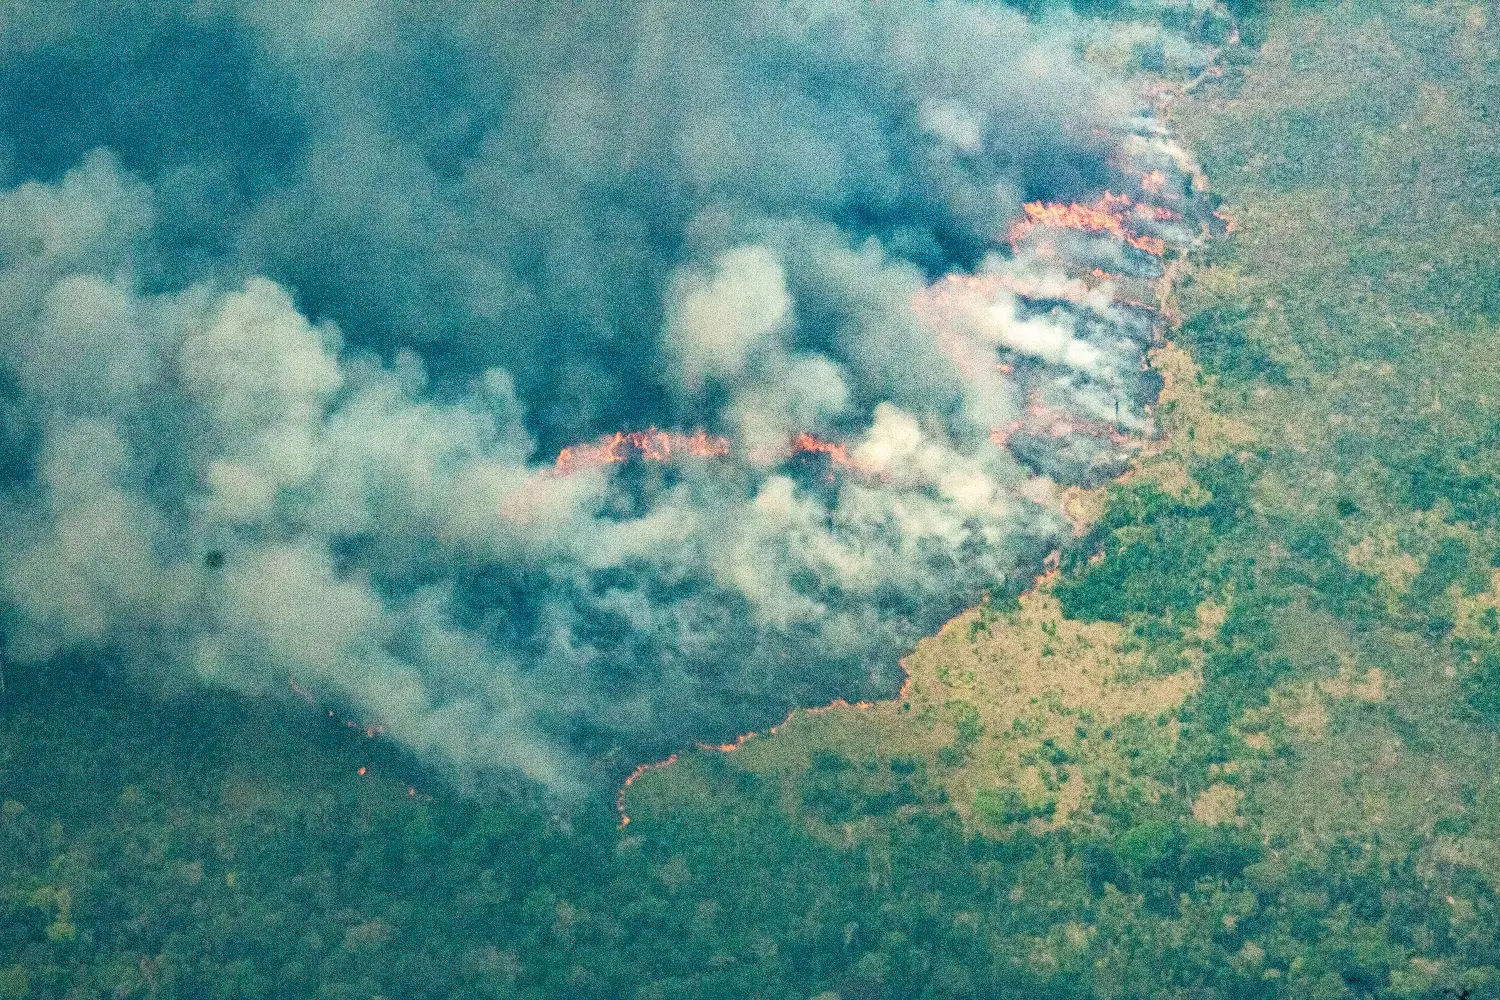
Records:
x=666, y=446
x=1109, y=216
x=1038, y=322
x=650, y=445
x=1040, y=419
x=632, y=779
x=838, y=454
x=369, y=729
x=739, y=741
x=1154, y=182
x=376, y=417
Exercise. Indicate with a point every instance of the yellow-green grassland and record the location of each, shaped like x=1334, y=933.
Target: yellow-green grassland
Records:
x=1240, y=741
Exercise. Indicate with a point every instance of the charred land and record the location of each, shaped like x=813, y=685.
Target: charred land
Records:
x=337, y=602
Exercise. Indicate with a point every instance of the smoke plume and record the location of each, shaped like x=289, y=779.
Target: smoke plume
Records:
x=553, y=386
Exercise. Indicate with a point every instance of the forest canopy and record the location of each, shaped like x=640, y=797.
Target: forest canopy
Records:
x=1237, y=740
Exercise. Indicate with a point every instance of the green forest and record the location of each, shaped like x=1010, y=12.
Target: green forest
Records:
x=1241, y=743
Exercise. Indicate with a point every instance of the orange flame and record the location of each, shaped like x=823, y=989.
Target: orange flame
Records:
x=642, y=769
x=902, y=695
x=1154, y=213
x=838, y=454
x=1107, y=216
x=1000, y=436
x=1111, y=215
x=1041, y=419
x=371, y=730
x=652, y=445
x=1154, y=182
x=805, y=444
x=741, y=740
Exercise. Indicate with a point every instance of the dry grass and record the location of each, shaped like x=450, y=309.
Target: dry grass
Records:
x=1217, y=805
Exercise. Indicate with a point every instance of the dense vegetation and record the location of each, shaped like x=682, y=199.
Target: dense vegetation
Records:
x=1300, y=589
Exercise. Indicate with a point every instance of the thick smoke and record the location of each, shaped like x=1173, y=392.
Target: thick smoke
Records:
x=301, y=301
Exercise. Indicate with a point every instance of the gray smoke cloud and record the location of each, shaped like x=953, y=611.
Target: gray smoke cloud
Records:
x=301, y=302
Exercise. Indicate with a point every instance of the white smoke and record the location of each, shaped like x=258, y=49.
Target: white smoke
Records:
x=725, y=223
